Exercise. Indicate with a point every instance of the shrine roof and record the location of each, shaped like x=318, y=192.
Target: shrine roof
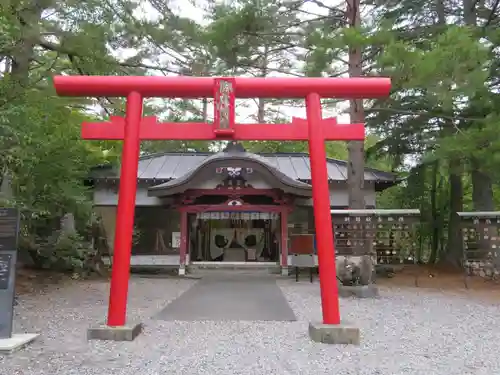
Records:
x=167, y=166
x=233, y=156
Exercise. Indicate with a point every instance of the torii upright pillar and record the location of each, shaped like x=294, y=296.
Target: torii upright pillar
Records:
x=314, y=129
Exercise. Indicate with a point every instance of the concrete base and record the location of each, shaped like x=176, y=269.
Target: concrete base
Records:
x=124, y=333
x=360, y=291
x=16, y=342
x=182, y=271
x=341, y=334
x=284, y=271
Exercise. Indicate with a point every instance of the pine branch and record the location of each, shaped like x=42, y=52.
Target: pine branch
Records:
x=59, y=49
x=429, y=114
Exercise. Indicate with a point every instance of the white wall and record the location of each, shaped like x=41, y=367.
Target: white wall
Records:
x=339, y=196
x=108, y=196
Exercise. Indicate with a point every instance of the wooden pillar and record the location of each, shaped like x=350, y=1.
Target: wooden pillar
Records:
x=184, y=243
x=284, y=241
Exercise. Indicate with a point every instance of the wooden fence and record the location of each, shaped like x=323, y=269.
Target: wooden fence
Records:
x=481, y=245
x=389, y=236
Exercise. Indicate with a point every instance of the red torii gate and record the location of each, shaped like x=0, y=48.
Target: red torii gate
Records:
x=134, y=128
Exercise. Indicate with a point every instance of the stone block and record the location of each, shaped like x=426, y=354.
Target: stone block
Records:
x=121, y=333
x=182, y=271
x=16, y=342
x=340, y=334
x=360, y=291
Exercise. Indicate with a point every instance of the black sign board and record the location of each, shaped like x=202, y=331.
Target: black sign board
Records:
x=5, y=267
x=9, y=229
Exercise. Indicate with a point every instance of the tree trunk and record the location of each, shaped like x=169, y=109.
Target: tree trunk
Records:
x=454, y=251
x=261, y=105
x=356, y=164
x=470, y=14
x=434, y=214
x=356, y=150
x=19, y=63
x=454, y=248
x=201, y=68
x=29, y=17
x=440, y=10
x=482, y=189
x=482, y=186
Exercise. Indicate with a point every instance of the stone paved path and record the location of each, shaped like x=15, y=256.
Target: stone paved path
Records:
x=235, y=297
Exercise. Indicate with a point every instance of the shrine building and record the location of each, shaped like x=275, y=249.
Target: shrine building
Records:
x=227, y=208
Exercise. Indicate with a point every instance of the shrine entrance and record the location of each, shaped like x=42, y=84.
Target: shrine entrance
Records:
x=235, y=233
x=134, y=127
x=234, y=209
x=234, y=237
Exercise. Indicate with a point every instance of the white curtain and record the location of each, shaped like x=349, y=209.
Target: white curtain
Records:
x=228, y=236
x=259, y=239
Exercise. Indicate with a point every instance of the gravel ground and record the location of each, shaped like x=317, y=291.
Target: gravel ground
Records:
x=409, y=332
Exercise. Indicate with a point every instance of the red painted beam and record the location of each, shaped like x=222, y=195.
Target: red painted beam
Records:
x=203, y=87
x=195, y=193
x=151, y=130
x=225, y=208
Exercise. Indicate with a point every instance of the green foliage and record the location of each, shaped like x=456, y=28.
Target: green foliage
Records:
x=444, y=106
x=65, y=253
x=70, y=253
x=49, y=160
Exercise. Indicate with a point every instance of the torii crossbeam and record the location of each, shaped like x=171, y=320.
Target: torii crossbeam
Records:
x=134, y=128
x=151, y=129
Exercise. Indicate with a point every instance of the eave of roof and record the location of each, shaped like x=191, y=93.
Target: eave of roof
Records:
x=287, y=183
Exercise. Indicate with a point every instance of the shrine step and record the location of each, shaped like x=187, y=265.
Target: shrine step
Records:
x=251, y=267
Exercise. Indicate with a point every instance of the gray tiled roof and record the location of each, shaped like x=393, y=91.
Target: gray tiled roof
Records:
x=241, y=158
x=172, y=165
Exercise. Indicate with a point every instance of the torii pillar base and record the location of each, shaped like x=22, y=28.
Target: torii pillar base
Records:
x=127, y=332
x=340, y=334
